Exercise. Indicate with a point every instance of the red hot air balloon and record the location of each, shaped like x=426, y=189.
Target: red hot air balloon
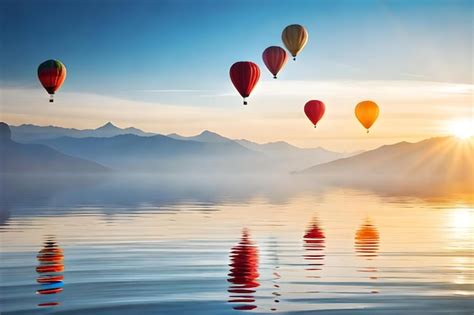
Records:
x=244, y=76
x=51, y=74
x=314, y=110
x=274, y=58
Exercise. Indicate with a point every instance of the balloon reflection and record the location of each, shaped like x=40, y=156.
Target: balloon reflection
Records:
x=243, y=274
x=50, y=269
x=314, y=245
x=366, y=246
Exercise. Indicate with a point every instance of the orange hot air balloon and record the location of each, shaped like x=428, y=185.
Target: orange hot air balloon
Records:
x=274, y=58
x=294, y=37
x=367, y=113
x=52, y=74
x=314, y=110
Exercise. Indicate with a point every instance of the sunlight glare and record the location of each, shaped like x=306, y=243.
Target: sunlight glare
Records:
x=462, y=128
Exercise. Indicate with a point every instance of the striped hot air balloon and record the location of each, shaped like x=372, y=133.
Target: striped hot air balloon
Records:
x=275, y=59
x=244, y=75
x=294, y=37
x=51, y=74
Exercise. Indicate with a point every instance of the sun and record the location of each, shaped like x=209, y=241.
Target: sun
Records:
x=462, y=128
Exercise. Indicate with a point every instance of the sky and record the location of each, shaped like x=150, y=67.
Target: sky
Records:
x=162, y=66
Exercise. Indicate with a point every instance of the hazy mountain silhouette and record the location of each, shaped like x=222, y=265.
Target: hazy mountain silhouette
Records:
x=445, y=159
x=37, y=158
x=29, y=133
x=159, y=153
x=280, y=156
x=290, y=156
x=205, y=136
x=279, y=153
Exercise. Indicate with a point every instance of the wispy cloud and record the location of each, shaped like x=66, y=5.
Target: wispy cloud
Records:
x=172, y=91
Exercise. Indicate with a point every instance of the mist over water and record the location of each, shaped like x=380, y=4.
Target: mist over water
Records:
x=232, y=244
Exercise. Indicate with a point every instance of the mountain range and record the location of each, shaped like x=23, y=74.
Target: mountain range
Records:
x=446, y=159
x=29, y=133
x=158, y=153
x=36, y=158
x=277, y=155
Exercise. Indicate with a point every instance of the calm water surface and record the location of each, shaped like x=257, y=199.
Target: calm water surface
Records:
x=141, y=248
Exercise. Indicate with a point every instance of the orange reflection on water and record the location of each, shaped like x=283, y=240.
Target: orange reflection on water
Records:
x=314, y=245
x=367, y=246
x=367, y=240
x=243, y=274
x=50, y=269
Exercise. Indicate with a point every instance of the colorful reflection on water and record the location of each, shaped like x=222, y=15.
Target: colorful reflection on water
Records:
x=49, y=270
x=140, y=254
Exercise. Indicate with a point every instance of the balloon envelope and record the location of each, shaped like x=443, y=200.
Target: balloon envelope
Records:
x=244, y=75
x=274, y=58
x=314, y=110
x=294, y=37
x=52, y=74
x=367, y=113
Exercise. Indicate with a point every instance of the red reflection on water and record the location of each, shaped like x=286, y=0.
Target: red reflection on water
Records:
x=367, y=246
x=314, y=245
x=243, y=273
x=50, y=259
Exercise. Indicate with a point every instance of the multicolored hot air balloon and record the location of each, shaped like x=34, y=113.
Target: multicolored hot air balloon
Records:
x=52, y=74
x=314, y=109
x=243, y=274
x=274, y=58
x=294, y=37
x=367, y=113
x=244, y=75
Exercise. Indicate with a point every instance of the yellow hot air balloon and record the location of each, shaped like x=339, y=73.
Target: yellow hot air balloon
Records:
x=367, y=113
x=294, y=37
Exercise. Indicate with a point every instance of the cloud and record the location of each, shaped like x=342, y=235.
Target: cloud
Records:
x=172, y=91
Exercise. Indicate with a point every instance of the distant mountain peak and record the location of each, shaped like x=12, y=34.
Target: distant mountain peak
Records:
x=108, y=125
x=209, y=133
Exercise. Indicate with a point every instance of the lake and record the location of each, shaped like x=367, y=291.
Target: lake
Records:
x=181, y=246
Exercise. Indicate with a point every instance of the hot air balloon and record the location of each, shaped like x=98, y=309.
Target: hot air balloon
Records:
x=314, y=110
x=295, y=38
x=51, y=74
x=244, y=76
x=367, y=113
x=274, y=58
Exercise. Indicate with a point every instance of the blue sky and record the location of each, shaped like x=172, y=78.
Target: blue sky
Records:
x=179, y=52
x=113, y=46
